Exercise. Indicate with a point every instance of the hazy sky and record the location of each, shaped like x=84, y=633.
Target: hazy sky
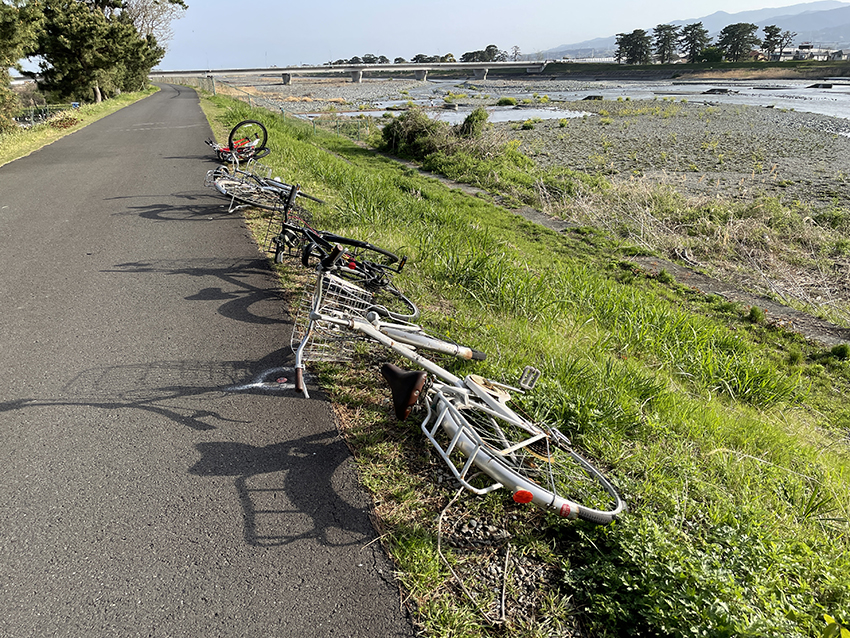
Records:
x=260, y=33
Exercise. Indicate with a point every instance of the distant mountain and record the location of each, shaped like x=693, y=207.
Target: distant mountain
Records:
x=825, y=23
x=716, y=21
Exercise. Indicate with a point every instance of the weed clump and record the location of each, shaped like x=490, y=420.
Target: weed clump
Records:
x=756, y=315
x=473, y=126
x=841, y=351
x=665, y=277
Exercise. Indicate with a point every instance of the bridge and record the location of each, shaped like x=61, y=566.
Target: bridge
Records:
x=420, y=70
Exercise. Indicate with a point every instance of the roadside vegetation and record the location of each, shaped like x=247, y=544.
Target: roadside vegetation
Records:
x=728, y=437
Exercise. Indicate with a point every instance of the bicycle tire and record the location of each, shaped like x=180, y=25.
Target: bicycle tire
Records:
x=249, y=192
x=362, y=263
x=248, y=133
x=547, y=471
x=289, y=239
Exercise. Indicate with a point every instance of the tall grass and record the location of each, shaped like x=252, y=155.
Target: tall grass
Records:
x=738, y=491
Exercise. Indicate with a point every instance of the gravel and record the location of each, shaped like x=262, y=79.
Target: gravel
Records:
x=702, y=148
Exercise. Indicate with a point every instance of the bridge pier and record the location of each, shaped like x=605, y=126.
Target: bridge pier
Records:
x=420, y=75
x=480, y=74
x=287, y=79
x=357, y=77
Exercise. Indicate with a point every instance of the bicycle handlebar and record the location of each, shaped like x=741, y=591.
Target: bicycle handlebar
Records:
x=330, y=261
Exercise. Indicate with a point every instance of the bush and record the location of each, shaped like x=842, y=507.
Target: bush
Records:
x=506, y=101
x=841, y=351
x=414, y=134
x=473, y=125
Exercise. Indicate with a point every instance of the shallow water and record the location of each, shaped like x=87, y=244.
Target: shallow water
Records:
x=788, y=94
x=496, y=113
x=796, y=95
x=510, y=114
x=799, y=95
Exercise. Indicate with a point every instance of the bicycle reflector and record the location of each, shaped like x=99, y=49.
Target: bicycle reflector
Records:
x=523, y=496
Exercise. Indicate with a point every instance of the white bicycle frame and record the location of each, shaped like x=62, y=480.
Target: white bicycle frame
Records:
x=446, y=404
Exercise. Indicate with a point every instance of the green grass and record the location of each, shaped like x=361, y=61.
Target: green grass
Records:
x=23, y=142
x=727, y=437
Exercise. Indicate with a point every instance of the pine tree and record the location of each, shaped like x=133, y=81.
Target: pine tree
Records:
x=634, y=47
x=19, y=23
x=770, y=42
x=89, y=47
x=665, y=38
x=736, y=40
x=693, y=40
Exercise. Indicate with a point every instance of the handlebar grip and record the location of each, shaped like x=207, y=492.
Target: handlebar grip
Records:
x=329, y=261
x=468, y=353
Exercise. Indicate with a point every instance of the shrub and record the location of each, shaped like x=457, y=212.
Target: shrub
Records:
x=414, y=134
x=506, y=101
x=473, y=125
x=841, y=351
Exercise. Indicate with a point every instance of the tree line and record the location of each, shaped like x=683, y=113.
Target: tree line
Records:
x=491, y=53
x=86, y=49
x=733, y=43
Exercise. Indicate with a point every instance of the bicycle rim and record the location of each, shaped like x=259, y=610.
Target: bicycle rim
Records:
x=248, y=134
x=247, y=192
x=536, y=463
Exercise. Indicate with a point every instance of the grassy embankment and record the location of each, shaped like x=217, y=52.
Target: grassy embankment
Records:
x=21, y=142
x=727, y=438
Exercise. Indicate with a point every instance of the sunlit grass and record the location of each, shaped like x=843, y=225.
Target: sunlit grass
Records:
x=737, y=487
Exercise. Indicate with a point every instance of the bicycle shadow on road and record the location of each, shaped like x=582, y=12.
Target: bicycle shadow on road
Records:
x=242, y=299
x=181, y=391
x=291, y=491
x=195, y=208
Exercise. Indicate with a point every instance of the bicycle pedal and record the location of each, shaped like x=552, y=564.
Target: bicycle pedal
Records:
x=529, y=378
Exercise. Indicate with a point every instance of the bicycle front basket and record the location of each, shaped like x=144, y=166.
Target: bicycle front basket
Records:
x=329, y=342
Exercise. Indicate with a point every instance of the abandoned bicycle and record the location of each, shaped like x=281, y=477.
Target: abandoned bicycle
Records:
x=472, y=422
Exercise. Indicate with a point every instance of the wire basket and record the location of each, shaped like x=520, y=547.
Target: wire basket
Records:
x=330, y=342
x=258, y=169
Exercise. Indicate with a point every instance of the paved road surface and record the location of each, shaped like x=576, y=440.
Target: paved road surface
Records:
x=154, y=479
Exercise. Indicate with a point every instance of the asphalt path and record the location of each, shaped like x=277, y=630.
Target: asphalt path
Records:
x=155, y=478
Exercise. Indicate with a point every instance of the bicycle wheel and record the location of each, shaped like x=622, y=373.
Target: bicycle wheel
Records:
x=289, y=239
x=248, y=191
x=362, y=263
x=536, y=462
x=248, y=134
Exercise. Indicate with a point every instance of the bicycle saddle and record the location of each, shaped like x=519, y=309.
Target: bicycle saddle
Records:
x=405, y=386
